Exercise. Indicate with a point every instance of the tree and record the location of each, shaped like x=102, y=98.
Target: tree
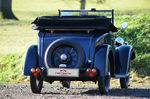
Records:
x=6, y=9
x=82, y=3
x=101, y=1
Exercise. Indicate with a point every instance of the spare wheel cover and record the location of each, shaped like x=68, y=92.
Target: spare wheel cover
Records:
x=51, y=49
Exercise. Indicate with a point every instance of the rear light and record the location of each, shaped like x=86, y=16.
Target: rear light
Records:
x=37, y=70
x=91, y=74
x=35, y=74
x=88, y=70
x=32, y=70
x=93, y=70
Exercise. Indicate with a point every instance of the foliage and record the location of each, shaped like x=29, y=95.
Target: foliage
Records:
x=17, y=36
x=11, y=67
x=141, y=65
x=137, y=32
x=138, y=35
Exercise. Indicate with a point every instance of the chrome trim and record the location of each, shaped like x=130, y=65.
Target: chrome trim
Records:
x=63, y=57
x=119, y=40
x=62, y=66
x=107, y=59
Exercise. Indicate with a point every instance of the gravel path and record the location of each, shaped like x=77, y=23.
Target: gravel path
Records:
x=22, y=91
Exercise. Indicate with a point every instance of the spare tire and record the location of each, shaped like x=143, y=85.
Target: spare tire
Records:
x=64, y=51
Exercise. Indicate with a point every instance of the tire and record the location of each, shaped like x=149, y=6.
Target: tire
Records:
x=49, y=54
x=124, y=82
x=36, y=84
x=104, y=82
x=66, y=84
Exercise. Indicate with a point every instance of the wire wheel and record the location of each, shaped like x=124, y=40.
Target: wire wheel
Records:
x=70, y=59
x=64, y=51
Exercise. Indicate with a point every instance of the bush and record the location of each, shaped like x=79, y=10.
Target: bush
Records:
x=11, y=67
x=137, y=32
x=138, y=35
x=141, y=65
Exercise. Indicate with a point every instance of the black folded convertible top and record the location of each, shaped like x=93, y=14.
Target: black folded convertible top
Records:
x=100, y=23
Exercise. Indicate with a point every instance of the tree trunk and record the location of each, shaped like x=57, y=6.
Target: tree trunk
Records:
x=82, y=2
x=101, y=1
x=6, y=9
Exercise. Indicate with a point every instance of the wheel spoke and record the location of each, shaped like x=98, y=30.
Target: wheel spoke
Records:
x=69, y=52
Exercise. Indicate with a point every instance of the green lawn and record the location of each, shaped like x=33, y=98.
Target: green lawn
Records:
x=28, y=10
x=17, y=36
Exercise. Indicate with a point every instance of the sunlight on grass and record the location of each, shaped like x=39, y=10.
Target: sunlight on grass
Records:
x=17, y=36
x=29, y=10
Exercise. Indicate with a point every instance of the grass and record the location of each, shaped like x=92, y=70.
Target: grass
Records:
x=17, y=36
x=27, y=10
x=11, y=67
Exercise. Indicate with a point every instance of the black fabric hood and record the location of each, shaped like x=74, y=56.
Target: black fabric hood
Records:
x=74, y=22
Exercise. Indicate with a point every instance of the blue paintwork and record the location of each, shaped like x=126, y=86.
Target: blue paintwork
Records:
x=101, y=59
x=87, y=41
x=95, y=46
x=30, y=60
x=122, y=60
x=45, y=39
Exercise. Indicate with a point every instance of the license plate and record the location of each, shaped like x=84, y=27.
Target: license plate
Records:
x=63, y=72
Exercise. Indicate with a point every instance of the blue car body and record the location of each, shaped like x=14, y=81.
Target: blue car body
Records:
x=98, y=54
x=99, y=49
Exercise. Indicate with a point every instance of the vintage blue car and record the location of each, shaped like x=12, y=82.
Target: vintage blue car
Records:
x=78, y=45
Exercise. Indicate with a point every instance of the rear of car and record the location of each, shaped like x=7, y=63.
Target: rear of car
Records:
x=72, y=48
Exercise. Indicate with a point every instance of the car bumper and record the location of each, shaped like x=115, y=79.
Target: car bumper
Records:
x=83, y=75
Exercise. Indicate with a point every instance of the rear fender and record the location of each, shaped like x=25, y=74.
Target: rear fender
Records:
x=101, y=59
x=31, y=60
